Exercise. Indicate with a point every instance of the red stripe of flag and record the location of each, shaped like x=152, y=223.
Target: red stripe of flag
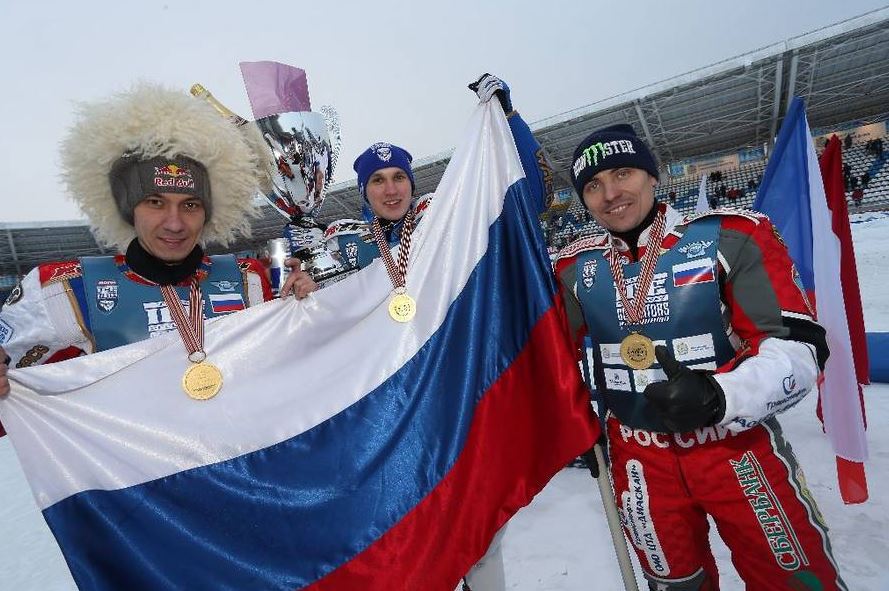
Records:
x=528, y=425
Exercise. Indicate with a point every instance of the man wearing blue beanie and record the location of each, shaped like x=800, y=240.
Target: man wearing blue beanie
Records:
x=387, y=188
x=386, y=184
x=698, y=334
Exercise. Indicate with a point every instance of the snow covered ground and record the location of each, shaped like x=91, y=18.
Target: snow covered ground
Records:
x=560, y=542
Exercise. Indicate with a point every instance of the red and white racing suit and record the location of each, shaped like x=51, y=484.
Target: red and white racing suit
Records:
x=741, y=471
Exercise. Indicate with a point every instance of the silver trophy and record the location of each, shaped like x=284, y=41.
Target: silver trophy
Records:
x=303, y=150
x=304, y=147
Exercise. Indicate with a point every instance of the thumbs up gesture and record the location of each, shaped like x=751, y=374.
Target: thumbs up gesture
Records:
x=688, y=399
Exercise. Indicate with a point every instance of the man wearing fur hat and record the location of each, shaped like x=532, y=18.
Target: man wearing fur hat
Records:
x=157, y=173
x=698, y=336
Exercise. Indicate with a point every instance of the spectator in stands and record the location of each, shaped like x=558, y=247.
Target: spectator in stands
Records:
x=853, y=181
x=672, y=196
x=847, y=141
x=733, y=195
x=865, y=179
x=878, y=147
x=723, y=192
x=857, y=196
x=751, y=185
x=721, y=274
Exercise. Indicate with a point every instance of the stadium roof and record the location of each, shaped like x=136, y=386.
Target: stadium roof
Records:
x=842, y=71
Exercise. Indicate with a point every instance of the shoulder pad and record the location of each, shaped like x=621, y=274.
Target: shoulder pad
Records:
x=59, y=271
x=346, y=227
x=748, y=214
x=251, y=266
x=422, y=204
x=583, y=244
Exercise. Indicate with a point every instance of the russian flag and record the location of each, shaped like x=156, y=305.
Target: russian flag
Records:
x=692, y=272
x=226, y=302
x=792, y=194
x=345, y=450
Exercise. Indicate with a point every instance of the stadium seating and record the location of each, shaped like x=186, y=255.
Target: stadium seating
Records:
x=577, y=224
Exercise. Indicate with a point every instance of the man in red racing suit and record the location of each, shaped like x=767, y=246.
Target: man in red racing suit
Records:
x=693, y=347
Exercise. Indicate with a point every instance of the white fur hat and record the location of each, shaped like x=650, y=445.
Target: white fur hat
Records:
x=151, y=121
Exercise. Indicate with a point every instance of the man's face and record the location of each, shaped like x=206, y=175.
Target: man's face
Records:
x=620, y=198
x=169, y=225
x=389, y=193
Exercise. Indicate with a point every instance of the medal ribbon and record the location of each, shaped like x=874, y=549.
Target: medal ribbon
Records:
x=636, y=312
x=191, y=326
x=396, y=273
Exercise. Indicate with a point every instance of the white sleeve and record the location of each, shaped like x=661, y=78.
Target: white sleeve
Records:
x=772, y=381
x=43, y=321
x=253, y=287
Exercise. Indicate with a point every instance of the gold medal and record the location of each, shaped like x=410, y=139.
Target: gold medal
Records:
x=402, y=307
x=637, y=351
x=202, y=381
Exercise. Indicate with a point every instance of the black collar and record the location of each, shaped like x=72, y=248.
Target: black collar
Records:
x=152, y=268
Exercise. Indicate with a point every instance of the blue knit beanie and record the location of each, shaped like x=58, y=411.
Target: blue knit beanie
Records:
x=611, y=147
x=378, y=156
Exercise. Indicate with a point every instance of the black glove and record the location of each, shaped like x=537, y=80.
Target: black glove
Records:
x=689, y=399
x=589, y=456
x=488, y=86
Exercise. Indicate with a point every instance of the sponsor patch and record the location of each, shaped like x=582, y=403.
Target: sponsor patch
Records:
x=770, y=515
x=694, y=250
x=352, y=253
x=158, y=319
x=6, y=332
x=634, y=503
x=106, y=295
x=33, y=355
x=226, y=285
x=15, y=295
x=589, y=273
x=225, y=303
x=694, y=347
x=173, y=176
x=692, y=272
x=617, y=379
x=610, y=353
x=657, y=301
x=643, y=377
x=601, y=150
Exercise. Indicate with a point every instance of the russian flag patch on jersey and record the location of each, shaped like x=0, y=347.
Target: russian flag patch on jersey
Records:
x=696, y=271
x=226, y=302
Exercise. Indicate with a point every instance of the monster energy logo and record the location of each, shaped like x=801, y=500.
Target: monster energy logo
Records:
x=601, y=150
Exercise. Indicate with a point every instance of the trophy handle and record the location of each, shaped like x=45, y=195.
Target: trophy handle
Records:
x=332, y=119
x=279, y=198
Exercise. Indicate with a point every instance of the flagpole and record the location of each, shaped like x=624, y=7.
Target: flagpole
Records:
x=603, y=479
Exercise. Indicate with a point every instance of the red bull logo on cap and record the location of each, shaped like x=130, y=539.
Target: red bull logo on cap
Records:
x=173, y=176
